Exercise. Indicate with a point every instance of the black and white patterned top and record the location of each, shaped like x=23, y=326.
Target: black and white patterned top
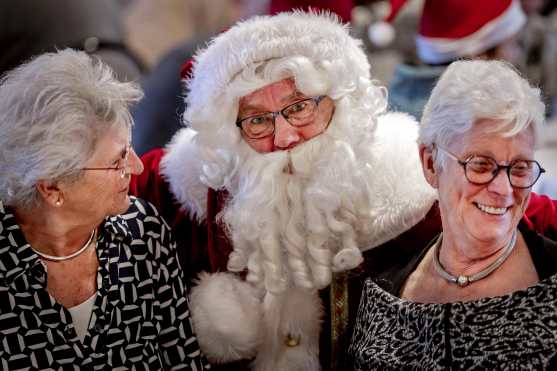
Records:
x=517, y=331
x=140, y=317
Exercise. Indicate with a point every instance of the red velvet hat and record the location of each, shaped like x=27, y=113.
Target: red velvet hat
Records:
x=450, y=29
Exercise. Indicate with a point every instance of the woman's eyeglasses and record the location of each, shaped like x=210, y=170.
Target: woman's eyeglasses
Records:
x=121, y=166
x=482, y=170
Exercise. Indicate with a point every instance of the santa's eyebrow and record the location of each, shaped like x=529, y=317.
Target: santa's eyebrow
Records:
x=295, y=95
x=256, y=108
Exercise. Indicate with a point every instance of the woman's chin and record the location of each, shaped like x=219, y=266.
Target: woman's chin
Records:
x=121, y=205
x=493, y=234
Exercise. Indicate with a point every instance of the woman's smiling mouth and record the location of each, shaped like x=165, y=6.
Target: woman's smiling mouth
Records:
x=492, y=210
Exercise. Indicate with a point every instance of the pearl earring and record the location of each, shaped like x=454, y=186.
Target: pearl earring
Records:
x=58, y=203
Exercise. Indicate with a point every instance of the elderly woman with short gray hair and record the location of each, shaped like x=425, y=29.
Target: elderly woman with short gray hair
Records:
x=482, y=295
x=88, y=276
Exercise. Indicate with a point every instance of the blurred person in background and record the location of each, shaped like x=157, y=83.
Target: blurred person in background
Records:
x=154, y=28
x=451, y=30
x=539, y=40
x=29, y=28
x=89, y=276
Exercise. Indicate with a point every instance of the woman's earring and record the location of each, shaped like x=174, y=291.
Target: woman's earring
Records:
x=58, y=203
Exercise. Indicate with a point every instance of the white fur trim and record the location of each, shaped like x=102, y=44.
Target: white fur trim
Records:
x=440, y=50
x=402, y=195
x=181, y=167
x=232, y=323
x=226, y=314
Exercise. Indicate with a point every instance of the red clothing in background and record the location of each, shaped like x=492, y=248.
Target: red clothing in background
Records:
x=343, y=8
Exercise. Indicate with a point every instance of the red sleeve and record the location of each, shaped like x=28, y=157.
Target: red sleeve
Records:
x=147, y=185
x=152, y=187
x=541, y=215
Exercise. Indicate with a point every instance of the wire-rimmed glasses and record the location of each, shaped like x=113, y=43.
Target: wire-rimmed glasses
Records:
x=298, y=114
x=121, y=165
x=480, y=170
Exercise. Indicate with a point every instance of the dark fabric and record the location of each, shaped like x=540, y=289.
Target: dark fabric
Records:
x=205, y=247
x=140, y=318
x=515, y=330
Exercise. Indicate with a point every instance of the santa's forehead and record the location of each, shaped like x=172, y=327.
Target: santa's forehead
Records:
x=278, y=89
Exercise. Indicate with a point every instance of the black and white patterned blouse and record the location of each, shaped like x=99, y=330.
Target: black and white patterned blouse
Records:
x=140, y=317
x=517, y=331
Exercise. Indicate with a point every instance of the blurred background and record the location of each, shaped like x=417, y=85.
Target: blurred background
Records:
x=148, y=41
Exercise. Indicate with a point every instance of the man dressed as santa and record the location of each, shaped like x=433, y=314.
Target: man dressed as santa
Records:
x=288, y=171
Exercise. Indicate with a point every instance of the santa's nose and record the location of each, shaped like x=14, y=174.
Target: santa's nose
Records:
x=286, y=135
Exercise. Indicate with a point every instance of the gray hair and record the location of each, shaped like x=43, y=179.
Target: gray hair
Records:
x=53, y=111
x=469, y=91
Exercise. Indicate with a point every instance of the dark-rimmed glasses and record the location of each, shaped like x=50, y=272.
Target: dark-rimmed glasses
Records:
x=298, y=114
x=121, y=165
x=481, y=170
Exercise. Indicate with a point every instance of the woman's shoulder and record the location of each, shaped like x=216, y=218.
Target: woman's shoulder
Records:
x=139, y=208
x=144, y=220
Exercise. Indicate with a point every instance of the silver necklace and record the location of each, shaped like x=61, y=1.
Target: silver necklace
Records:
x=464, y=280
x=66, y=257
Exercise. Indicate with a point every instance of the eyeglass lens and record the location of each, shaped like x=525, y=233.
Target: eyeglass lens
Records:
x=297, y=114
x=521, y=173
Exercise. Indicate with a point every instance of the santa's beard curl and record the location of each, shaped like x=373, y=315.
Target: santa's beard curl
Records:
x=296, y=216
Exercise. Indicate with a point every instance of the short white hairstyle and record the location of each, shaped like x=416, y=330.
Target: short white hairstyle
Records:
x=53, y=111
x=473, y=90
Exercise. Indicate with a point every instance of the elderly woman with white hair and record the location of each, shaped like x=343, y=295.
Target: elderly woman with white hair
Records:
x=89, y=277
x=482, y=294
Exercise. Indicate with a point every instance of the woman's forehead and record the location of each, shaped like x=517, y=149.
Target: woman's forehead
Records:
x=481, y=136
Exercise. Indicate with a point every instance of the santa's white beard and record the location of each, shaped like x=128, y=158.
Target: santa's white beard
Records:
x=294, y=216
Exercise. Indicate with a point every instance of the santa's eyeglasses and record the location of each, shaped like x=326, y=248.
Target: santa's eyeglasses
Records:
x=298, y=114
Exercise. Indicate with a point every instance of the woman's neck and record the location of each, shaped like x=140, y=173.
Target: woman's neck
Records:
x=426, y=285
x=49, y=231
x=460, y=256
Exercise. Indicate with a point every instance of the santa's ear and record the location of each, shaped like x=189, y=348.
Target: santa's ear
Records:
x=50, y=192
x=428, y=164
